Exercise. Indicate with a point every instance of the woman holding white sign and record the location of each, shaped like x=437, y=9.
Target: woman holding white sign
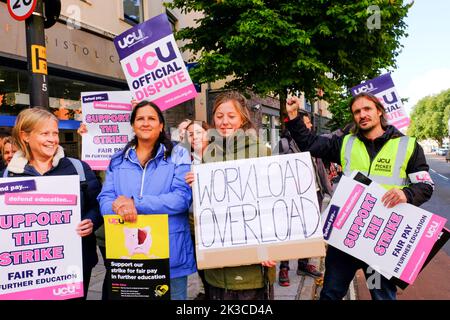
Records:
x=147, y=177
x=36, y=134
x=234, y=137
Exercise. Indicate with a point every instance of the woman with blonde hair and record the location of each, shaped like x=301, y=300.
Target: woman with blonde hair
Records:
x=233, y=137
x=39, y=154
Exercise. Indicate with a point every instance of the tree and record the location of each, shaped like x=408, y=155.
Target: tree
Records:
x=341, y=112
x=285, y=46
x=429, y=117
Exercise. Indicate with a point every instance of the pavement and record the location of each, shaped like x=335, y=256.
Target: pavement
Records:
x=301, y=287
x=431, y=284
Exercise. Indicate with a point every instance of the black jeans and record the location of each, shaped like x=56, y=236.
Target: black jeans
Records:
x=340, y=269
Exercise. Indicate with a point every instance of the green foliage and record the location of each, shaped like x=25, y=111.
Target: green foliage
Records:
x=341, y=112
x=429, y=117
x=292, y=45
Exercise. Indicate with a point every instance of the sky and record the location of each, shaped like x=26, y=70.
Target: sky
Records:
x=423, y=66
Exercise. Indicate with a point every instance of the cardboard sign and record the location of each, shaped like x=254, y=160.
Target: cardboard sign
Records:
x=396, y=242
x=107, y=118
x=383, y=88
x=153, y=65
x=40, y=251
x=138, y=257
x=253, y=210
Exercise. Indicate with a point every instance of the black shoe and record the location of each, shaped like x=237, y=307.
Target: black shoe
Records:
x=309, y=270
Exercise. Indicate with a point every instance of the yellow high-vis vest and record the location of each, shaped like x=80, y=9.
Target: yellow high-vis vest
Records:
x=388, y=168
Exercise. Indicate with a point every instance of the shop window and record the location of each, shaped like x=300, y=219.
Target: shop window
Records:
x=132, y=11
x=64, y=94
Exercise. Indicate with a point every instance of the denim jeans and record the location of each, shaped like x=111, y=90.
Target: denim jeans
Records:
x=178, y=288
x=340, y=269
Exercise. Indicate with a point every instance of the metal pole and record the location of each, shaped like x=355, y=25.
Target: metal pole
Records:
x=320, y=116
x=37, y=57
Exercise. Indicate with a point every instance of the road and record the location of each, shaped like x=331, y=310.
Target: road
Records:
x=440, y=201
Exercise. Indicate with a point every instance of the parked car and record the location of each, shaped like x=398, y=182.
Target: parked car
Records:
x=442, y=151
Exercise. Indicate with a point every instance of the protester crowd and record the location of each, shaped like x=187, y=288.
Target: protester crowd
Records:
x=153, y=174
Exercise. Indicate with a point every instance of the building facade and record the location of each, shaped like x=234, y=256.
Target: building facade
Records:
x=81, y=57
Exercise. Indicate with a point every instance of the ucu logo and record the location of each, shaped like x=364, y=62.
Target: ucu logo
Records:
x=64, y=291
x=131, y=39
x=432, y=229
x=391, y=99
x=115, y=221
x=150, y=60
x=365, y=88
x=384, y=160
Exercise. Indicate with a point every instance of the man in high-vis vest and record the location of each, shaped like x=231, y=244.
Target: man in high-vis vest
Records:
x=386, y=156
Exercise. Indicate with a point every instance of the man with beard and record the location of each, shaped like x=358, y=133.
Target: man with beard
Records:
x=382, y=153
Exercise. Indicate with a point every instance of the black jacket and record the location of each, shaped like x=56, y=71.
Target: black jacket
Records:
x=329, y=148
x=89, y=190
x=319, y=167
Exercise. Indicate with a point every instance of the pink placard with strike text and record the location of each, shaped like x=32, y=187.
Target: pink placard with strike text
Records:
x=429, y=237
x=59, y=292
x=348, y=206
x=40, y=199
x=106, y=105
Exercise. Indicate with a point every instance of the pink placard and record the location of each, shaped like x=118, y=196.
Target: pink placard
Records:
x=40, y=199
x=176, y=97
x=401, y=123
x=98, y=164
x=60, y=292
x=112, y=105
x=423, y=248
x=348, y=206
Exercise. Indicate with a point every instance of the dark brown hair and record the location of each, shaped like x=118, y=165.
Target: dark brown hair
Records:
x=162, y=139
x=202, y=123
x=378, y=105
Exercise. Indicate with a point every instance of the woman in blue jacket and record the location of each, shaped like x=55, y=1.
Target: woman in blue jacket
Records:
x=39, y=154
x=147, y=177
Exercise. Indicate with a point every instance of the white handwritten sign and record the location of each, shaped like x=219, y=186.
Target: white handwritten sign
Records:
x=261, y=208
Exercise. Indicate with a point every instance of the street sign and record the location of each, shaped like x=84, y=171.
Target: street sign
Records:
x=21, y=9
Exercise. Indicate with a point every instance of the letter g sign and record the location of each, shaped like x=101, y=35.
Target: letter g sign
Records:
x=38, y=59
